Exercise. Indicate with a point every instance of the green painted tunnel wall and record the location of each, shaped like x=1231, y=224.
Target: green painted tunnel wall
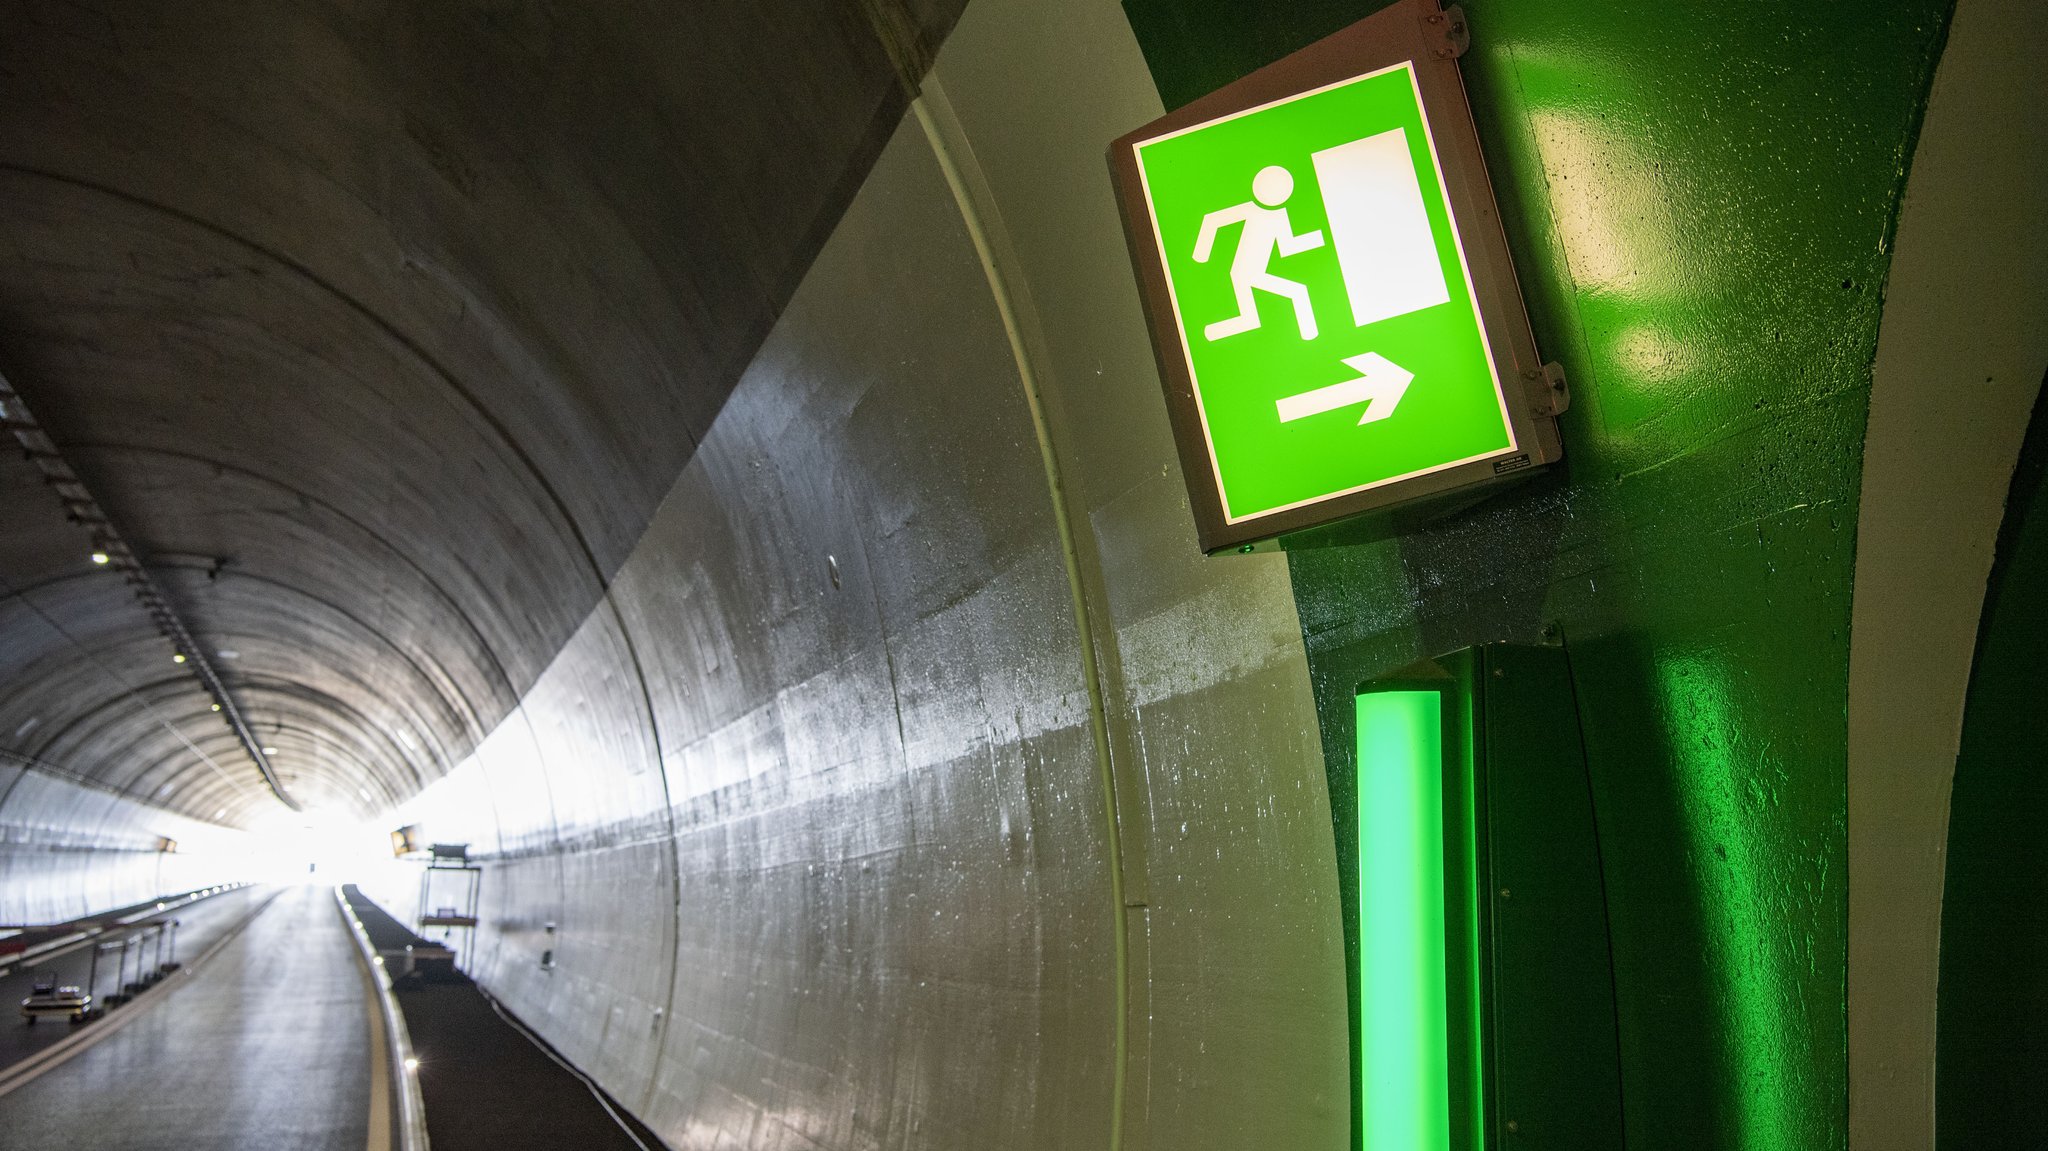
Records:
x=1991, y=1054
x=1700, y=199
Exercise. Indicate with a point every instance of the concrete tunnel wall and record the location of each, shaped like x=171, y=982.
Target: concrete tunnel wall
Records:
x=814, y=800
x=377, y=334
x=814, y=797
x=907, y=770
x=68, y=850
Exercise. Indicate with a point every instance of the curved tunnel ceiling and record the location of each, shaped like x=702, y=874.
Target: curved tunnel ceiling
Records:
x=377, y=332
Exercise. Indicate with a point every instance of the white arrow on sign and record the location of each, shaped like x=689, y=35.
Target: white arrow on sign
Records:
x=1380, y=384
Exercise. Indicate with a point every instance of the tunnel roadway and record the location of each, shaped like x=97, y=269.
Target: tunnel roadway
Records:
x=266, y=1045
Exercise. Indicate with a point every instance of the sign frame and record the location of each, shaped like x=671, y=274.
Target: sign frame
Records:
x=1429, y=39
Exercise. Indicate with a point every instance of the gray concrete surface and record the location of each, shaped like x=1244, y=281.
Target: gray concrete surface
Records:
x=267, y=1047
x=814, y=653
x=379, y=333
x=840, y=673
x=812, y=817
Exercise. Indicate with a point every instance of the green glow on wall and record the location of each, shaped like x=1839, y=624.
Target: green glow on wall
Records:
x=1700, y=555
x=1402, y=1060
x=1727, y=796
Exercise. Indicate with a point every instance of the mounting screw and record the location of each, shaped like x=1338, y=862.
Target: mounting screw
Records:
x=1447, y=28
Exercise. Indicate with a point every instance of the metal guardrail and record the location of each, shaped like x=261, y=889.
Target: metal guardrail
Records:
x=408, y=1109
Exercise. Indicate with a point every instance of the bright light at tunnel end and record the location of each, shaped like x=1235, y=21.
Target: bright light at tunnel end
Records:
x=315, y=846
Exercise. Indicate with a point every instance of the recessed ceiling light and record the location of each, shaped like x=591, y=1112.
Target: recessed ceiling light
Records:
x=270, y=751
x=178, y=658
x=216, y=707
x=99, y=557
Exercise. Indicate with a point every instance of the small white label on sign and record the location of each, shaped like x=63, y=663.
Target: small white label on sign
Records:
x=1380, y=228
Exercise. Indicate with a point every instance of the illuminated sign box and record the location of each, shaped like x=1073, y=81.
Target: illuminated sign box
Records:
x=405, y=840
x=1331, y=301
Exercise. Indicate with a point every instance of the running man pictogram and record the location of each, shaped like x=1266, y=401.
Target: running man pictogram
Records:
x=1267, y=232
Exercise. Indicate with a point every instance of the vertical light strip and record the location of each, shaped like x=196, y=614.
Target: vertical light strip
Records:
x=1402, y=1061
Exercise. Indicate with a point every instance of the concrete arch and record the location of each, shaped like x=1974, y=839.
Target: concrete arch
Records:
x=1960, y=358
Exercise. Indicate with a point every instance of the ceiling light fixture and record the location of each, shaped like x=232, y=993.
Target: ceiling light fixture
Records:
x=178, y=657
x=99, y=557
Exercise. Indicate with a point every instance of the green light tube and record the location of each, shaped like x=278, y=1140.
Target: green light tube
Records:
x=1402, y=1061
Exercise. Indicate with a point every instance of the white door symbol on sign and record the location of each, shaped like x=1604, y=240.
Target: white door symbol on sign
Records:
x=1384, y=243
x=1267, y=233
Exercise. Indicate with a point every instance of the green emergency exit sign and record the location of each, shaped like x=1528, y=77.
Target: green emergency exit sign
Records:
x=1318, y=261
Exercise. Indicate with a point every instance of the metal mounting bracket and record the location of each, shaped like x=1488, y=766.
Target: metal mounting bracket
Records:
x=1548, y=390
x=1449, y=29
